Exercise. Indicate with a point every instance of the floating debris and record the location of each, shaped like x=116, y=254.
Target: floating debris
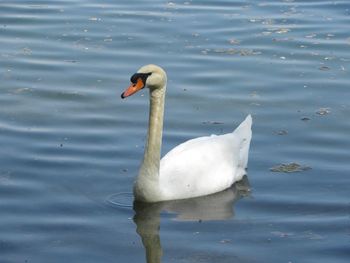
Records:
x=289, y=168
x=305, y=119
x=281, y=132
x=212, y=122
x=228, y=51
x=323, y=111
x=231, y=51
x=248, y=52
x=324, y=68
x=285, y=39
x=26, y=51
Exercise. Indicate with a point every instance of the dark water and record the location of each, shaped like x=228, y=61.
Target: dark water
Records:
x=69, y=143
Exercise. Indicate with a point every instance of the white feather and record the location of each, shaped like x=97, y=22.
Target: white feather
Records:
x=198, y=167
x=205, y=165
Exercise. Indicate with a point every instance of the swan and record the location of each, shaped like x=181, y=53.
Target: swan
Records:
x=197, y=167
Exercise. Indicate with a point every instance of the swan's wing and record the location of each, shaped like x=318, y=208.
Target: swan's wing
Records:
x=205, y=165
x=244, y=134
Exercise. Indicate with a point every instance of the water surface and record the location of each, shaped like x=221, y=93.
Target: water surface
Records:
x=68, y=142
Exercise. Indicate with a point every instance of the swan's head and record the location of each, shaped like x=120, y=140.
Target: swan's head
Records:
x=150, y=76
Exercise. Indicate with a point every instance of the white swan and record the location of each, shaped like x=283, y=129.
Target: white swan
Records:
x=198, y=167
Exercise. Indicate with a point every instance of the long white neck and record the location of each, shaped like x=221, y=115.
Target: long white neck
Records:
x=151, y=159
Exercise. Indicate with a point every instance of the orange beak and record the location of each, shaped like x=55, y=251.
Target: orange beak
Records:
x=133, y=88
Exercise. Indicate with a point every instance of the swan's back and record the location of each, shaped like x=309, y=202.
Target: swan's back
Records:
x=205, y=165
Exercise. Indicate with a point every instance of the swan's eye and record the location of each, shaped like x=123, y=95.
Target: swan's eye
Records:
x=143, y=76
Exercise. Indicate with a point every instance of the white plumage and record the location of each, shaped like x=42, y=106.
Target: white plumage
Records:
x=205, y=165
x=197, y=167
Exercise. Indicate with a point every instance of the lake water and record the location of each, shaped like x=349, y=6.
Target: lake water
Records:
x=70, y=147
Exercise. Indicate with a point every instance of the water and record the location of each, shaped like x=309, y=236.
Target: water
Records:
x=69, y=144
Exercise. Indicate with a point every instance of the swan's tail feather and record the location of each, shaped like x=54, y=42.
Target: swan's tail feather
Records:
x=244, y=133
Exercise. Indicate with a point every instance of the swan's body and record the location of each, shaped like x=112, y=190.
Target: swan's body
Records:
x=198, y=167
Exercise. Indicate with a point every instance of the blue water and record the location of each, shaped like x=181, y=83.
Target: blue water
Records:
x=70, y=147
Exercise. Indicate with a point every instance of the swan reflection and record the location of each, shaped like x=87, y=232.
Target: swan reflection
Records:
x=219, y=206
